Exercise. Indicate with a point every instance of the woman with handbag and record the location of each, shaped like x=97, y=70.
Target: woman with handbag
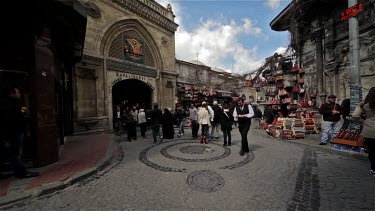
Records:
x=367, y=108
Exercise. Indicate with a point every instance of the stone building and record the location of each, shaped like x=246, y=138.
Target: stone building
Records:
x=321, y=41
x=128, y=59
x=39, y=48
x=197, y=82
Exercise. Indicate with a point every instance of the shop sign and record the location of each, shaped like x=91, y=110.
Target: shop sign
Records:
x=351, y=12
x=123, y=76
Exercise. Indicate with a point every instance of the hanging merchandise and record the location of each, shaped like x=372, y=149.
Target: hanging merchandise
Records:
x=287, y=100
x=279, y=84
x=301, y=70
x=295, y=68
x=279, y=78
x=301, y=90
x=282, y=93
x=296, y=89
x=263, y=83
x=304, y=103
x=250, y=82
x=271, y=79
x=278, y=73
x=301, y=79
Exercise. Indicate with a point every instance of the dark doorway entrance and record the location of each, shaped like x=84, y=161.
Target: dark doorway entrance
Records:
x=131, y=92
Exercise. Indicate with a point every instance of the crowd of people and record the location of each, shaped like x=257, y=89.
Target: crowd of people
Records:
x=206, y=121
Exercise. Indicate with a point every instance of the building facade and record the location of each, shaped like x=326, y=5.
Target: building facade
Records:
x=197, y=82
x=128, y=60
x=321, y=41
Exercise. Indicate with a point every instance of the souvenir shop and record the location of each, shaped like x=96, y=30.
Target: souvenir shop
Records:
x=292, y=105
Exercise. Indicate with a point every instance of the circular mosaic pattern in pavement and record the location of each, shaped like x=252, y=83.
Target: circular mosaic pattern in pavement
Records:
x=193, y=149
x=164, y=152
x=205, y=181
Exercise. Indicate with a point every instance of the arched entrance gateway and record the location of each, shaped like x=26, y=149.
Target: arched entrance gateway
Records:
x=131, y=92
x=127, y=61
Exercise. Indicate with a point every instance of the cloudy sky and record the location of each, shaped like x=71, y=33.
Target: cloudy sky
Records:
x=230, y=34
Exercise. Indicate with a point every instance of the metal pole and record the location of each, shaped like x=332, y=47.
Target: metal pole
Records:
x=355, y=74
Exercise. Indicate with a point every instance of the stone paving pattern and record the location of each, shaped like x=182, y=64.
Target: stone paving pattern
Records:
x=276, y=175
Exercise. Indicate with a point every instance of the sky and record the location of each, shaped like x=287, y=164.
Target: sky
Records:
x=233, y=35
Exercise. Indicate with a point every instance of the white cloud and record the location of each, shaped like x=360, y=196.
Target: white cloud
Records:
x=216, y=42
x=273, y=4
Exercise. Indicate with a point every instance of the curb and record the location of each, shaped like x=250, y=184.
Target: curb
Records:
x=7, y=202
x=357, y=155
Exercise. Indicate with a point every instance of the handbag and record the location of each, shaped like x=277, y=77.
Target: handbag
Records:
x=282, y=92
x=296, y=89
x=279, y=78
x=302, y=90
x=295, y=69
x=280, y=84
x=288, y=100
x=277, y=73
x=263, y=83
x=250, y=83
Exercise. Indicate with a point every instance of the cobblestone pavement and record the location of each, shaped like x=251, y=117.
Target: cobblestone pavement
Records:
x=182, y=174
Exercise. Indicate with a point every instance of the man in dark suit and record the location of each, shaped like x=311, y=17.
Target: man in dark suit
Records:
x=243, y=112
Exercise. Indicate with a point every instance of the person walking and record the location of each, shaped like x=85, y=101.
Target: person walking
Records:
x=167, y=124
x=257, y=117
x=130, y=125
x=156, y=117
x=142, y=122
x=331, y=112
x=367, y=108
x=204, y=122
x=216, y=120
x=244, y=113
x=117, y=118
x=181, y=115
x=12, y=127
x=226, y=122
x=193, y=116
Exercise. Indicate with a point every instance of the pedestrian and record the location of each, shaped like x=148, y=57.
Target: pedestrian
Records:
x=215, y=124
x=167, y=124
x=194, y=120
x=142, y=122
x=345, y=105
x=226, y=125
x=130, y=125
x=244, y=113
x=181, y=115
x=268, y=115
x=204, y=122
x=367, y=108
x=12, y=127
x=117, y=122
x=156, y=118
x=211, y=115
x=331, y=112
x=257, y=117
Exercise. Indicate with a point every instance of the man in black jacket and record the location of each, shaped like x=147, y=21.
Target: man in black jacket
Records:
x=11, y=130
x=156, y=116
x=331, y=112
x=243, y=112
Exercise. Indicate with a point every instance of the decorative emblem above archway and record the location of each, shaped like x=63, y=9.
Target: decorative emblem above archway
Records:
x=133, y=50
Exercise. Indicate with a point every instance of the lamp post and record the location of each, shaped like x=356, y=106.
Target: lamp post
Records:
x=355, y=73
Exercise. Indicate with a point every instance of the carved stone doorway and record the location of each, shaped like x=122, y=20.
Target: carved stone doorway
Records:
x=131, y=92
